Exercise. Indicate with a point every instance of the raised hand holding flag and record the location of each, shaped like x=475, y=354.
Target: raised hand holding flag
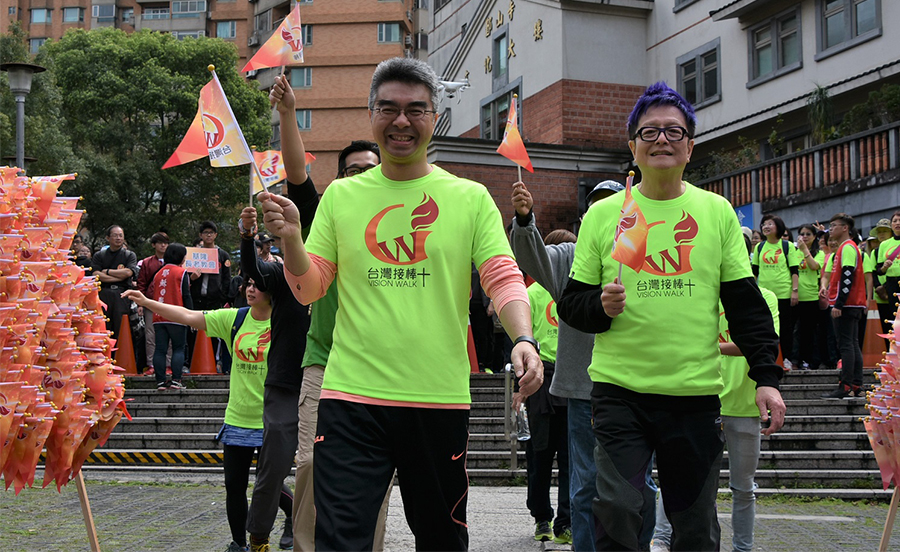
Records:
x=284, y=47
x=630, y=244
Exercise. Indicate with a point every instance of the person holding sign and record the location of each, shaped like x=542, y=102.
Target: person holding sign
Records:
x=209, y=285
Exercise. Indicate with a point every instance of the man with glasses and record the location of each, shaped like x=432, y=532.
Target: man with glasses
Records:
x=399, y=240
x=655, y=364
x=847, y=299
x=115, y=266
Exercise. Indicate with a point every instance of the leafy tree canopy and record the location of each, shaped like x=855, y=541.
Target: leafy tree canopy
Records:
x=125, y=101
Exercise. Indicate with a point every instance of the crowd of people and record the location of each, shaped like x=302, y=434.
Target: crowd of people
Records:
x=348, y=354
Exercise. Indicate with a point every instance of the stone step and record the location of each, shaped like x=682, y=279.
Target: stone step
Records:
x=823, y=424
x=815, y=459
x=162, y=441
x=811, y=391
x=826, y=407
x=175, y=409
x=167, y=424
x=815, y=441
x=191, y=381
x=184, y=396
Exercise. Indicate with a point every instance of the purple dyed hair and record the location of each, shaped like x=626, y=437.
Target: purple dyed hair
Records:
x=661, y=94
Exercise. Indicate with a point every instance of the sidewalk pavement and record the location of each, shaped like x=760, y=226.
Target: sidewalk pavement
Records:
x=188, y=513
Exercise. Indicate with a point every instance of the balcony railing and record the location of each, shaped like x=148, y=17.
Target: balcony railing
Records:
x=857, y=156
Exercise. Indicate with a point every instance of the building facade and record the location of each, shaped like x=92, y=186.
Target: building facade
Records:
x=748, y=66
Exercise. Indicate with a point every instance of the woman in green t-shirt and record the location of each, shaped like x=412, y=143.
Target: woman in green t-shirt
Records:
x=241, y=434
x=808, y=306
x=776, y=266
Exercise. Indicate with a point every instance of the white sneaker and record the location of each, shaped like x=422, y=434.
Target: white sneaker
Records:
x=788, y=365
x=656, y=546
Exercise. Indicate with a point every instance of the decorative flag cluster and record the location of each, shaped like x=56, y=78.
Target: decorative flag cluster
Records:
x=883, y=422
x=58, y=385
x=512, y=146
x=284, y=47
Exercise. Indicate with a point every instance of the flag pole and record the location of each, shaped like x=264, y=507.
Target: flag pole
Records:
x=889, y=522
x=628, y=182
x=253, y=148
x=520, y=171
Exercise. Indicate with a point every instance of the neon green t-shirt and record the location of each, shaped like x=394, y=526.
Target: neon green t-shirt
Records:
x=544, y=323
x=403, y=252
x=665, y=341
x=774, y=272
x=885, y=250
x=739, y=394
x=808, y=282
x=248, y=365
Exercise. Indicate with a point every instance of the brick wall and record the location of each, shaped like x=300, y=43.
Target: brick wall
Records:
x=577, y=113
x=555, y=192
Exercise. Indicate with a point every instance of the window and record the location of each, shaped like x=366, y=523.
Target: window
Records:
x=388, y=32
x=304, y=119
x=73, y=15
x=845, y=23
x=128, y=15
x=500, y=59
x=304, y=1
x=301, y=77
x=12, y=10
x=35, y=43
x=699, y=76
x=306, y=32
x=495, y=110
x=679, y=4
x=181, y=35
x=104, y=13
x=155, y=13
x=263, y=21
x=775, y=47
x=226, y=29
x=188, y=8
x=40, y=15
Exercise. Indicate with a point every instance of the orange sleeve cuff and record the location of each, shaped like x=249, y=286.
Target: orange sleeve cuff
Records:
x=313, y=284
x=502, y=281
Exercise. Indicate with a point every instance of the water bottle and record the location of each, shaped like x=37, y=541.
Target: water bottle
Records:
x=523, y=433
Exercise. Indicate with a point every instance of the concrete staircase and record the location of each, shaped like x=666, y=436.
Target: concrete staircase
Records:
x=821, y=451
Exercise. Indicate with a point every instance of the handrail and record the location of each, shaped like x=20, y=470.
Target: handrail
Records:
x=857, y=156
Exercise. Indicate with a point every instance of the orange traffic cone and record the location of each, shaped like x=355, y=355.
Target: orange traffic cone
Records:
x=873, y=346
x=470, y=348
x=125, y=353
x=204, y=359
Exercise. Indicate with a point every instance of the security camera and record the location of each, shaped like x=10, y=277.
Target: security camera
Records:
x=451, y=88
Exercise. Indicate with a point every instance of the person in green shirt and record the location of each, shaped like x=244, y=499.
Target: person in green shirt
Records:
x=655, y=363
x=810, y=269
x=776, y=266
x=881, y=231
x=242, y=433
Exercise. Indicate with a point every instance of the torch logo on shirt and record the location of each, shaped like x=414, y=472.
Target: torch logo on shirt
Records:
x=676, y=260
x=214, y=130
x=408, y=249
x=771, y=256
x=549, y=313
x=251, y=354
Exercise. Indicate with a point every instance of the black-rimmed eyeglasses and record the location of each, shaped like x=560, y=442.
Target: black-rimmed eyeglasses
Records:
x=412, y=113
x=650, y=134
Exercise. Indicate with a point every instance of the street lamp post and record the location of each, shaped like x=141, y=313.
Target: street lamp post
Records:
x=20, y=84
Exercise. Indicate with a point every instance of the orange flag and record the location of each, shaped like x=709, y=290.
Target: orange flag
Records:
x=214, y=132
x=271, y=167
x=284, y=47
x=512, y=147
x=630, y=244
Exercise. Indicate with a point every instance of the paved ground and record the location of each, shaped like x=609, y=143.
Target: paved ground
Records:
x=189, y=514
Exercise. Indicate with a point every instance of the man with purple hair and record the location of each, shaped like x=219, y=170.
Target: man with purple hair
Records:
x=655, y=364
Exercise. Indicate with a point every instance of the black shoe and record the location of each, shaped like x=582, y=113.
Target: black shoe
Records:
x=162, y=386
x=287, y=538
x=859, y=392
x=842, y=392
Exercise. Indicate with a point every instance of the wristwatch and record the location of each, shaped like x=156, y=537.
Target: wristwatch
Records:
x=246, y=234
x=528, y=339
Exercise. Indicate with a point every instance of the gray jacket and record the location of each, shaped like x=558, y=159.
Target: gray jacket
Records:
x=549, y=266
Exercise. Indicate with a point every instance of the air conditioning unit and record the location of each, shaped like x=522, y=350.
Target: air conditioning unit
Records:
x=407, y=40
x=251, y=73
x=409, y=15
x=201, y=33
x=253, y=40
